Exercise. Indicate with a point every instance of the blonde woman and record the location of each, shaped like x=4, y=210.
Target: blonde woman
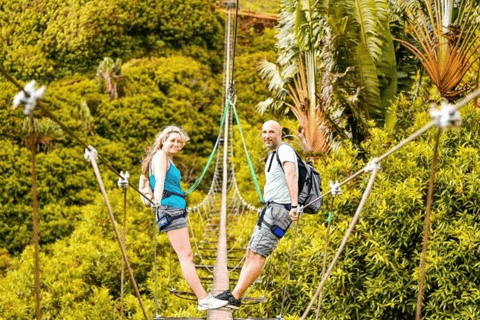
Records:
x=170, y=206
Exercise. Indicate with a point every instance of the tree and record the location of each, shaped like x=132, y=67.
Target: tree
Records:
x=356, y=77
x=109, y=73
x=445, y=40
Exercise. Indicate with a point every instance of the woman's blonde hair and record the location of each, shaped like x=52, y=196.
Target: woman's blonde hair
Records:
x=157, y=145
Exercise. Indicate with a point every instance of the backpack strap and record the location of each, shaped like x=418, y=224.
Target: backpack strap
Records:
x=278, y=157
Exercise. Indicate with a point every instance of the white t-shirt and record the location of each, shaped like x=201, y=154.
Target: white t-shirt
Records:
x=276, y=188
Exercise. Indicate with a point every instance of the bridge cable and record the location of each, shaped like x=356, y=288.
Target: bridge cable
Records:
x=287, y=279
x=250, y=164
x=91, y=154
x=325, y=253
x=426, y=231
x=33, y=148
x=419, y=132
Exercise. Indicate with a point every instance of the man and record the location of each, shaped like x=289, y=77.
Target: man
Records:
x=281, y=208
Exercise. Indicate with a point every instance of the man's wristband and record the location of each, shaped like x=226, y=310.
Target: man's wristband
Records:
x=293, y=207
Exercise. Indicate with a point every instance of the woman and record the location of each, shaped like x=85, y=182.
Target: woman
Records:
x=170, y=206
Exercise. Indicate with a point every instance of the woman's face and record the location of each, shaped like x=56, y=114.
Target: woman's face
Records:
x=173, y=143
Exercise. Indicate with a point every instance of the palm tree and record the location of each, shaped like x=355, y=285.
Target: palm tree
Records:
x=445, y=40
x=303, y=102
x=41, y=132
x=337, y=58
x=109, y=73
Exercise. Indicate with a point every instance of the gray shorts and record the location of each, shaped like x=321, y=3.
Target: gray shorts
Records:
x=175, y=224
x=263, y=241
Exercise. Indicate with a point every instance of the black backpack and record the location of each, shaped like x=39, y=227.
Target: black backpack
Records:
x=309, y=184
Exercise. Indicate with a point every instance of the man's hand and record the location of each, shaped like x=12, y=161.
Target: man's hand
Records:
x=294, y=214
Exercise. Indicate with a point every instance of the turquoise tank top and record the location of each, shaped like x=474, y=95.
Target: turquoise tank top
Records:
x=172, y=184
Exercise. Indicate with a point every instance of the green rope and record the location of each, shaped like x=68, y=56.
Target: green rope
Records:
x=195, y=185
x=330, y=217
x=250, y=165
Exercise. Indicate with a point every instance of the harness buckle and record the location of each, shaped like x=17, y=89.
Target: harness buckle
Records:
x=276, y=230
x=164, y=221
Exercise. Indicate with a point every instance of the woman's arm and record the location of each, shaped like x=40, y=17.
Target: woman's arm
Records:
x=159, y=167
x=144, y=187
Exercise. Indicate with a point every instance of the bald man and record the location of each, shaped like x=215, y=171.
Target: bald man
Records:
x=281, y=208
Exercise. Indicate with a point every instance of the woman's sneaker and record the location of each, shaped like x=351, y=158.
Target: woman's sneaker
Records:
x=210, y=302
x=233, y=302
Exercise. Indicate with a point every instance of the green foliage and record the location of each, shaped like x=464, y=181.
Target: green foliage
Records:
x=377, y=275
x=356, y=74
x=50, y=39
x=153, y=94
x=264, y=6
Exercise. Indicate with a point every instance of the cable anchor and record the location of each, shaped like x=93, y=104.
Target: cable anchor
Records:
x=373, y=165
x=29, y=96
x=335, y=187
x=90, y=153
x=231, y=91
x=123, y=179
x=300, y=209
x=446, y=116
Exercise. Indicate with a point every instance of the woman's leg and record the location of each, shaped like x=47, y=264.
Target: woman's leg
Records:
x=180, y=241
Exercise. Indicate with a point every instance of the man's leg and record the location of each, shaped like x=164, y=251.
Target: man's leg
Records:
x=251, y=270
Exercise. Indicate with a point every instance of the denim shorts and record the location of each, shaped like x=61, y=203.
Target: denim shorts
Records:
x=263, y=241
x=172, y=211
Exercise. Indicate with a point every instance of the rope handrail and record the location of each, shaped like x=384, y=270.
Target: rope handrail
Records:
x=49, y=114
x=91, y=155
x=442, y=118
x=250, y=164
x=210, y=159
x=373, y=162
x=401, y=144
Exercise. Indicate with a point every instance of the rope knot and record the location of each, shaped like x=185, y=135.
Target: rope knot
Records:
x=335, y=187
x=29, y=96
x=123, y=179
x=373, y=165
x=90, y=153
x=446, y=116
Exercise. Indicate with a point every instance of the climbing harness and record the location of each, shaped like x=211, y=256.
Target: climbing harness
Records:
x=443, y=118
x=275, y=229
x=167, y=219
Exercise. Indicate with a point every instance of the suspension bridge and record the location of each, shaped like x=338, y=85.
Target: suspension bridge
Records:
x=219, y=255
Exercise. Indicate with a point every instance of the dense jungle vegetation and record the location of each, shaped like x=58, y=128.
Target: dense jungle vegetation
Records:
x=117, y=71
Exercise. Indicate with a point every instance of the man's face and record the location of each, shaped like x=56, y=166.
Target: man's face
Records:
x=271, y=135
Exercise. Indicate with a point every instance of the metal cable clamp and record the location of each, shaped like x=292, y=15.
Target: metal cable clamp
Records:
x=335, y=187
x=123, y=179
x=446, y=116
x=29, y=96
x=373, y=165
x=90, y=153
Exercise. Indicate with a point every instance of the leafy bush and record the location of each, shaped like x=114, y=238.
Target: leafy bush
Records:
x=50, y=39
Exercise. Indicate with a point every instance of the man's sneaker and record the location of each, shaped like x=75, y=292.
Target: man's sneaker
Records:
x=233, y=302
x=210, y=302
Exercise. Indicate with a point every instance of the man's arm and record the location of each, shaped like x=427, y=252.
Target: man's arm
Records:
x=292, y=184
